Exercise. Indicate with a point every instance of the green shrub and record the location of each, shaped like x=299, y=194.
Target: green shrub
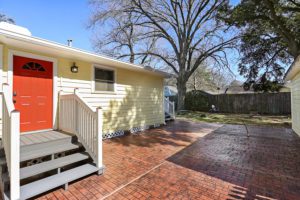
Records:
x=197, y=100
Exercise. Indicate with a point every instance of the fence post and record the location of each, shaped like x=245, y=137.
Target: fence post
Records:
x=15, y=155
x=99, y=140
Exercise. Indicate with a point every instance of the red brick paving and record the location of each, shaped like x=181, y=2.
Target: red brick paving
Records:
x=187, y=160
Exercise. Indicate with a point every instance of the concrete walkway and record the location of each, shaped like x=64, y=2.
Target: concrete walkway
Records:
x=187, y=160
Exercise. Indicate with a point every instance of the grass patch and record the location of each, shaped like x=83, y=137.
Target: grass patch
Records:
x=224, y=118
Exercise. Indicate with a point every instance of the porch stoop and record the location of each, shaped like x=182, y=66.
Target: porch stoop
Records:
x=169, y=108
x=168, y=117
x=48, y=160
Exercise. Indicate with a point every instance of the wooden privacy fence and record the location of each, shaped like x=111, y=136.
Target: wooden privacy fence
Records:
x=263, y=103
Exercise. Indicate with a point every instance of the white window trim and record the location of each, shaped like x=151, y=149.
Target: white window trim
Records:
x=93, y=79
x=12, y=53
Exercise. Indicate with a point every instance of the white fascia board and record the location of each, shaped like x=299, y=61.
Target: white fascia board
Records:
x=64, y=49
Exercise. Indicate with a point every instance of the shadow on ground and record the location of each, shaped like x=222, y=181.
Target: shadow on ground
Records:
x=264, y=165
x=188, y=160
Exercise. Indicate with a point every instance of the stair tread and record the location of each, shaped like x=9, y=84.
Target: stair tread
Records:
x=29, y=171
x=51, y=182
x=44, y=137
x=47, y=150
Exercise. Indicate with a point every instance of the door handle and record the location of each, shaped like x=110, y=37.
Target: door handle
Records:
x=14, y=101
x=14, y=93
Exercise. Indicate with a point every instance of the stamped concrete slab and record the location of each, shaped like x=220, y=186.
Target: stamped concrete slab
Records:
x=188, y=160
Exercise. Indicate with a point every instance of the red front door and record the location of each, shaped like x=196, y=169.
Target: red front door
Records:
x=33, y=92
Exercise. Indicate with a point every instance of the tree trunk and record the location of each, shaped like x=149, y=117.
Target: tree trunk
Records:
x=181, y=87
x=131, y=59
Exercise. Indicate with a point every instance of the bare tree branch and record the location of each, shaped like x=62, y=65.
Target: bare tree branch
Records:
x=183, y=34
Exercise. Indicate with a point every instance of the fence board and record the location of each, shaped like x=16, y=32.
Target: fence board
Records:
x=264, y=103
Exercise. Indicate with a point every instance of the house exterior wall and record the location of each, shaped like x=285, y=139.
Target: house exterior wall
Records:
x=295, y=92
x=136, y=102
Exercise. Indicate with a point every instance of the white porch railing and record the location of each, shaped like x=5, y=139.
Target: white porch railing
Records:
x=76, y=117
x=11, y=140
x=169, y=107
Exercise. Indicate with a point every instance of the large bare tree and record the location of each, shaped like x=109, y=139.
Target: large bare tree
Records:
x=186, y=32
x=209, y=79
x=123, y=38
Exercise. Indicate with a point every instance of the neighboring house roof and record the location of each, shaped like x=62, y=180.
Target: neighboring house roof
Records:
x=236, y=87
x=213, y=92
x=236, y=83
x=285, y=89
x=19, y=37
x=293, y=70
x=237, y=90
x=170, y=91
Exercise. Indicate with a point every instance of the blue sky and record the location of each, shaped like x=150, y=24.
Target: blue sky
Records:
x=55, y=20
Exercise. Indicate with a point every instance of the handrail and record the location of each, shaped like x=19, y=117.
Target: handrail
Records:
x=77, y=117
x=169, y=107
x=7, y=95
x=11, y=140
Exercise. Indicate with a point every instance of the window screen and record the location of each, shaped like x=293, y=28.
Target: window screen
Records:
x=104, y=79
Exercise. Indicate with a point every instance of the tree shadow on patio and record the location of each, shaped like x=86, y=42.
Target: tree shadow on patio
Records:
x=261, y=166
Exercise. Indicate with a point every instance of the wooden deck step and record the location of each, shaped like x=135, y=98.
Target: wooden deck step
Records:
x=41, y=137
x=39, y=140
x=46, y=149
x=51, y=182
x=33, y=170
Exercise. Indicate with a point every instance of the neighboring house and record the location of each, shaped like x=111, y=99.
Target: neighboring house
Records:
x=48, y=87
x=236, y=87
x=292, y=78
x=170, y=91
x=284, y=89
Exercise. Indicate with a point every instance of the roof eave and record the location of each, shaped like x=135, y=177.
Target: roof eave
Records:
x=76, y=51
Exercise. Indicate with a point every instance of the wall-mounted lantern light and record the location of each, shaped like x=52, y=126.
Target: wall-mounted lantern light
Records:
x=74, y=68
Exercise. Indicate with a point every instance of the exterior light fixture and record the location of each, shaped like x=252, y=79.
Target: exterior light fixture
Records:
x=74, y=68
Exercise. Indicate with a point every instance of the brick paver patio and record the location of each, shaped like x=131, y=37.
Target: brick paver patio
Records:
x=187, y=160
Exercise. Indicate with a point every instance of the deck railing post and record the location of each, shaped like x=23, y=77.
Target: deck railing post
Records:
x=15, y=155
x=59, y=111
x=173, y=109
x=99, y=155
x=86, y=123
x=11, y=141
x=76, y=114
x=169, y=107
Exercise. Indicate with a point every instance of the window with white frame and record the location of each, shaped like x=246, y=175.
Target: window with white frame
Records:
x=104, y=79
